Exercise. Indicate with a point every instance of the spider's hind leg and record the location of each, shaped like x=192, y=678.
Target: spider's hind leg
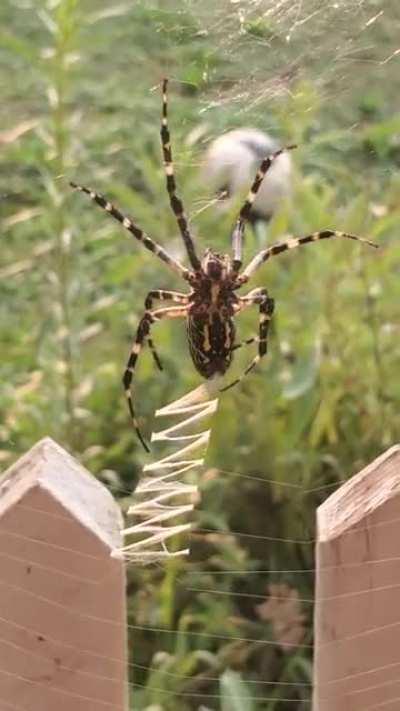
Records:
x=142, y=335
x=162, y=295
x=155, y=355
x=266, y=307
x=246, y=342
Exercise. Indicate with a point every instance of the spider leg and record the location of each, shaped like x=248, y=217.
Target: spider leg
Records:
x=134, y=230
x=275, y=249
x=246, y=342
x=162, y=295
x=266, y=307
x=175, y=201
x=237, y=236
x=165, y=295
x=142, y=334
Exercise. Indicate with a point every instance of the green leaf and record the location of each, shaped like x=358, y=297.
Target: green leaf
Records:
x=235, y=695
x=18, y=46
x=303, y=375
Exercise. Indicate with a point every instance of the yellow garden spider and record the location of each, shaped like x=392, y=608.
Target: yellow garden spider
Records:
x=211, y=304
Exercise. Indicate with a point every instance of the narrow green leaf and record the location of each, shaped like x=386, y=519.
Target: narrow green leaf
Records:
x=235, y=695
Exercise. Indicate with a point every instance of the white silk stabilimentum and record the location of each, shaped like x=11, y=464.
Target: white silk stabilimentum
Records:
x=161, y=497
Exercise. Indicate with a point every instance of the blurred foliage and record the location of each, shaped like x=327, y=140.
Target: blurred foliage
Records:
x=325, y=401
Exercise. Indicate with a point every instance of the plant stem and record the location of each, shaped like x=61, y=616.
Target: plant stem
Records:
x=64, y=26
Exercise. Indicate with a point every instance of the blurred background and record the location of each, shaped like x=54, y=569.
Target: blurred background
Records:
x=81, y=101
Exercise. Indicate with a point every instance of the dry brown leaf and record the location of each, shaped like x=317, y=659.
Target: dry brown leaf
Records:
x=17, y=268
x=31, y=385
x=25, y=264
x=12, y=135
x=90, y=331
x=283, y=610
x=21, y=216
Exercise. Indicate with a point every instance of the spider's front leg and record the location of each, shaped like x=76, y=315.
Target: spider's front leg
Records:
x=149, y=318
x=266, y=307
x=162, y=295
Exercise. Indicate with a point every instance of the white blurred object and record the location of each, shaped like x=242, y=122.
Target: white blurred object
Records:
x=231, y=164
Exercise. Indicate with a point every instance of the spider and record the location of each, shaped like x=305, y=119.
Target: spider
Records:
x=212, y=303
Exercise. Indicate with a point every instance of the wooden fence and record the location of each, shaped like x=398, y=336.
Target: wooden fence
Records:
x=357, y=600
x=62, y=590
x=62, y=595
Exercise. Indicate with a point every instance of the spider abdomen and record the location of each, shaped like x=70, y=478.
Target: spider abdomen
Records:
x=211, y=338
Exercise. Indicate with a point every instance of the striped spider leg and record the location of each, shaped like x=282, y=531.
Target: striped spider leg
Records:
x=292, y=243
x=142, y=334
x=130, y=225
x=237, y=236
x=260, y=296
x=162, y=295
x=175, y=201
x=266, y=305
x=156, y=294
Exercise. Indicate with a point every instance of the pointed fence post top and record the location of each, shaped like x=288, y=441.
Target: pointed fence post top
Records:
x=62, y=592
x=357, y=621
x=50, y=468
x=363, y=494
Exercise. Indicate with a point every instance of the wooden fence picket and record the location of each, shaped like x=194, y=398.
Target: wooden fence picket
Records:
x=357, y=611
x=62, y=590
x=62, y=594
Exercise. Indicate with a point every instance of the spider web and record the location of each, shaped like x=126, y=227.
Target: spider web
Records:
x=265, y=54
x=266, y=47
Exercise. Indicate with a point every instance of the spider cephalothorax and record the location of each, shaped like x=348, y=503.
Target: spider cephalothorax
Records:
x=215, y=266
x=212, y=303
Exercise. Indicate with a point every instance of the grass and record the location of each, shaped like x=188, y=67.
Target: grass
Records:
x=327, y=399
